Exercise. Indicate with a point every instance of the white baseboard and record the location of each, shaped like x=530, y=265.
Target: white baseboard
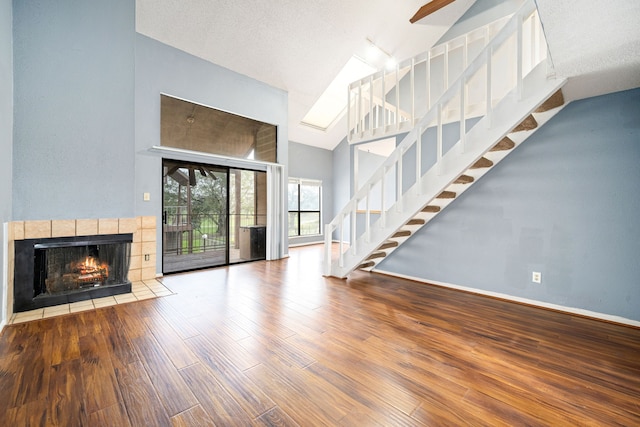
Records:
x=297, y=245
x=535, y=303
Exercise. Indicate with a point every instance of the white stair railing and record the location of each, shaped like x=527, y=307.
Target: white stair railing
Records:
x=391, y=101
x=516, y=50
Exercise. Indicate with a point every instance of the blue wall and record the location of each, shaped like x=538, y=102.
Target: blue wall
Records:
x=564, y=203
x=313, y=163
x=162, y=69
x=6, y=128
x=74, y=99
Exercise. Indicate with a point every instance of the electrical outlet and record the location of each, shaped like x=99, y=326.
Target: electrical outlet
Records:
x=536, y=277
x=146, y=197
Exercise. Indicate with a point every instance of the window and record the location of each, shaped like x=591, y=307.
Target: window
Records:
x=304, y=207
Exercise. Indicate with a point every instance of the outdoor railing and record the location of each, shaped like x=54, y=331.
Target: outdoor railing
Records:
x=193, y=233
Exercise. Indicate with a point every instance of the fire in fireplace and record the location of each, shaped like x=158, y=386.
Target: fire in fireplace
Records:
x=68, y=269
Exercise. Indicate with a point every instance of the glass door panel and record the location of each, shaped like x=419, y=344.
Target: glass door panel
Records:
x=195, y=220
x=247, y=215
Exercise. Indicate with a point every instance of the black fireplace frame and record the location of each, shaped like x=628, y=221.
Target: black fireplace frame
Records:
x=24, y=269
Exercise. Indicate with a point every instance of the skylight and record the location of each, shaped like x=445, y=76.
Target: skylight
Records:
x=333, y=101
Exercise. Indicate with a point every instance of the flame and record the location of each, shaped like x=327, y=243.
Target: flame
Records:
x=91, y=265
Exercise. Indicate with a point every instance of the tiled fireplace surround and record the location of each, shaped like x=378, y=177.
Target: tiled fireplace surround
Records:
x=142, y=270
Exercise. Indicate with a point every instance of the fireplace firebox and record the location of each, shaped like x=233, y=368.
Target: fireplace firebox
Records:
x=56, y=271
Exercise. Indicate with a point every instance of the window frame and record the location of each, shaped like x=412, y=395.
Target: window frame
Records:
x=311, y=183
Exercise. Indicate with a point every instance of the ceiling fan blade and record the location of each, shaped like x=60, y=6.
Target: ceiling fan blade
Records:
x=428, y=9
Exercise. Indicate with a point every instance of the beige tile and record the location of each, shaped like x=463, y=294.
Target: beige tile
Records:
x=135, y=275
x=87, y=303
x=63, y=228
x=104, y=302
x=151, y=262
x=136, y=262
x=127, y=225
x=148, y=273
x=163, y=293
x=86, y=227
x=37, y=229
x=53, y=308
x=137, y=236
x=148, y=248
x=144, y=295
x=108, y=226
x=138, y=286
x=123, y=298
x=156, y=287
x=148, y=222
x=23, y=319
x=149, y=235
x=139, y=222
x=16, y=230
x=136, y=249
x=80, y=308
x=31, y=313
x=57, y=310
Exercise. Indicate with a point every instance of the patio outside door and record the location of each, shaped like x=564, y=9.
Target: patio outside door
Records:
x=212, y=216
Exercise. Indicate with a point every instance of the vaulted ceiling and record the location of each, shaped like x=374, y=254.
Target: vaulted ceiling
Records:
x=300, y=46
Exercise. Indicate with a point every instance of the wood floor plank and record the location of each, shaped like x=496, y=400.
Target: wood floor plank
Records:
x=67, y=396
x=170, y=342
x=215, y=400
x=275, y=418
x=192, y=417
x=170, y=387
x=98, y=374
x=139, y=396
x=119, y=345
x=33, y=414
x=249, y=396
x=112, y=416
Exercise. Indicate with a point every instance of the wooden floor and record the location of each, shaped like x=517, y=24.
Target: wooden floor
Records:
x=275, y=343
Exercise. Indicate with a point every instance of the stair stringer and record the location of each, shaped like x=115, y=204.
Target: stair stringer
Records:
x=508, y=114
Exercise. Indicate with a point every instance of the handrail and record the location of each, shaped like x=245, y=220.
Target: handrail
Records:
x=371, y=92
x=435, y=115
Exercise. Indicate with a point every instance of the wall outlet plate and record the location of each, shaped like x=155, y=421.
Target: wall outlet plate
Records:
x=536, y=277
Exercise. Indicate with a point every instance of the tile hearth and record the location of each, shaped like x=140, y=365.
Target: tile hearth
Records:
x=139, y=291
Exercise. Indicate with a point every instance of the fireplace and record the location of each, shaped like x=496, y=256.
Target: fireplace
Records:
x=54, y=271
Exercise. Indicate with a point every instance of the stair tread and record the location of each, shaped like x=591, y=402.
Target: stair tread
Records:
x=464, y=179
x=528, y=123
x=505, y=144
x=446, y=195
x=415, y=221
x=483, y=162
x=376, y=255
x=388, y=244
x=367, y=264
x=402, y=233
x=431, y=209
x=554, y=101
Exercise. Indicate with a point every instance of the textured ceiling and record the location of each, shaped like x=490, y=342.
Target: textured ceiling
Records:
x=299, y=46
x=596, y=44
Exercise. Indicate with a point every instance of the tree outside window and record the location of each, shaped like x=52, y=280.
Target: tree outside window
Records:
x=304, y=207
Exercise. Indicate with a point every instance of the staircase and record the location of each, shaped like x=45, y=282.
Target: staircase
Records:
x=425, y=173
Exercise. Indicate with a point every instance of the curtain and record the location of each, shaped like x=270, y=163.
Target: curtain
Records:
x=277, y=241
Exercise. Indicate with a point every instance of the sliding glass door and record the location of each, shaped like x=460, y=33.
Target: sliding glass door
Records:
x=212, y=216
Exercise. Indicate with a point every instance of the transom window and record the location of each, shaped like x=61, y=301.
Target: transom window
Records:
x=304, y=207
